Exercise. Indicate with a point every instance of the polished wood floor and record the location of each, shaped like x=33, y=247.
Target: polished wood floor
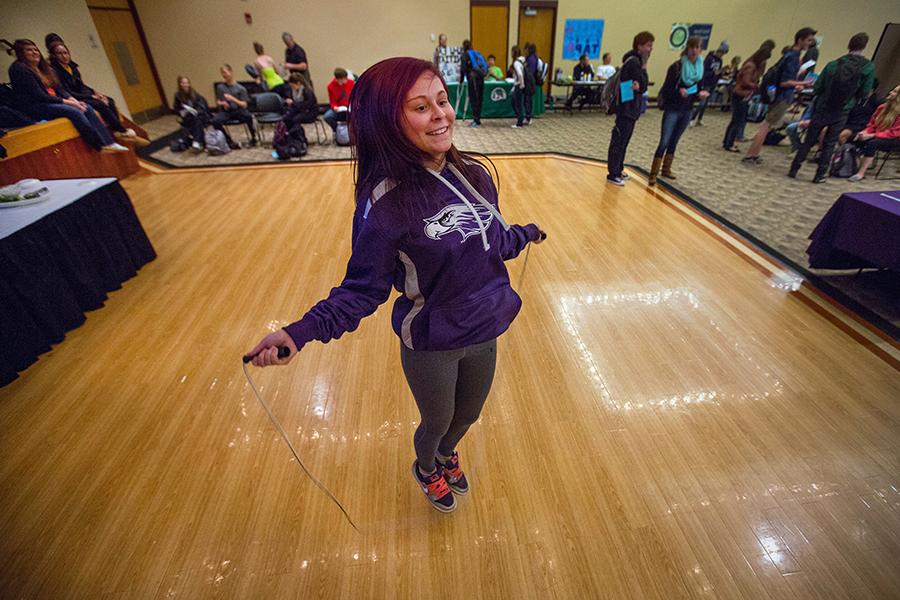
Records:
x=671, y=418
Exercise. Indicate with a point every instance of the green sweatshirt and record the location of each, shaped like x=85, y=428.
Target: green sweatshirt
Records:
x=866, y=80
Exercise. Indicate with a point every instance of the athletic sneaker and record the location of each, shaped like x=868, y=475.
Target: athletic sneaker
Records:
x=435, y=488
x=856, y=177
x=474, y=125
x=114, y=148
x=625, y=176
x=454, y=475
x=517, y=126
x=615, y=181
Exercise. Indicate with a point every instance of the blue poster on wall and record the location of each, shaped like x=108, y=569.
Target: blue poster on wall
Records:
x=582, y=36
x=703, y=31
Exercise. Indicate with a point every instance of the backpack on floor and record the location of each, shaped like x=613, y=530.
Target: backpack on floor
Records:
x=178, y=145
x=291, y=143
x=216, y=144
x=845, y=161
x=342, y=134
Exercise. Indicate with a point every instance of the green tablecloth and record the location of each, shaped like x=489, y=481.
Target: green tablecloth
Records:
x=497, y=102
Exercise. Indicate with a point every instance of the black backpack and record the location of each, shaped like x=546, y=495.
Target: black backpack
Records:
x=772, y=79
x=845, y=82
x=289, y=143
x=845, y=162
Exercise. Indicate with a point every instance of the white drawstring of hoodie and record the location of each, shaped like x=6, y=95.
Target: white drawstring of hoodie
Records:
x=493, y=210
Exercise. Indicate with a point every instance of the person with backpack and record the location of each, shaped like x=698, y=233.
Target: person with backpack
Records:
x=777, y=90
x=633, y=71
x=427, y=223
x=519, y=74
x=712, y=68
x=841, y=86
x=882, y=134
x=746, y=84
x=677, y=96
x=535, y=71
x=473, y=68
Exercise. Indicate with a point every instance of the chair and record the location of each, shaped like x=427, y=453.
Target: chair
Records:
x=267, y=111
x=893, y=155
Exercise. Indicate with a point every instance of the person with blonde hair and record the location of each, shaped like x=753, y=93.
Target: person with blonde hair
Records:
x=882, y=134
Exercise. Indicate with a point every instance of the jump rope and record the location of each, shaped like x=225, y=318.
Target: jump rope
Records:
x=284, y=352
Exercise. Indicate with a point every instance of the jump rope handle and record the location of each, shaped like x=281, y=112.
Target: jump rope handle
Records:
x=283, y=352
x=543, y=236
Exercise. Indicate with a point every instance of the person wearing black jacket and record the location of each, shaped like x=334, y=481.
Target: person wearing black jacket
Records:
x=70, y=79
x=300, y=104
x=40, y=95
x=474, y=75
x=193, y=112
x=583, y=71
x=634, y=69
x=677, y=96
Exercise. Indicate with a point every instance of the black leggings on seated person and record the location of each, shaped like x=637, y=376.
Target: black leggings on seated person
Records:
x=873, y=145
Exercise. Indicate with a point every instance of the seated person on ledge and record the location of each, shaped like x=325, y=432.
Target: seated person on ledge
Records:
x=40, y=95
x=232, y=99
x=70, y=78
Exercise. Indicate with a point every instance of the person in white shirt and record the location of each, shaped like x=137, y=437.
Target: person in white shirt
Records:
x=606, y=70
x=518, y=90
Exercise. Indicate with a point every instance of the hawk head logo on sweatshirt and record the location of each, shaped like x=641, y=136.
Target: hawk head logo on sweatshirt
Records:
x=457, y=217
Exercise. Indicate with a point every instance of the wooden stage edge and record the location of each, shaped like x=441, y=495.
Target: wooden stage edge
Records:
x=844, y=318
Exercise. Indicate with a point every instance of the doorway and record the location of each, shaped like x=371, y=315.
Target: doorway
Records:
x=537, y=24
x=489, y=29
x=126, y=47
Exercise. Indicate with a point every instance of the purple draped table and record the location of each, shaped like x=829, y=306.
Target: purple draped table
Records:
x=861, y=230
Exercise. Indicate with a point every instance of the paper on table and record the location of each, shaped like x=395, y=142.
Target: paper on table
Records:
x=626, y=93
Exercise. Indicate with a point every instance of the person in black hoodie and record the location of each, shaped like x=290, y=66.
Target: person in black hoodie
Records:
x=634, y=69
x=193, y=112
x=40, y=95
x=70, y=79
x=676, y=98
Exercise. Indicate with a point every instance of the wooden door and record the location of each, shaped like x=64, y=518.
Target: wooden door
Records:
x=490, y=29
x=126, y=52
x=537, y=24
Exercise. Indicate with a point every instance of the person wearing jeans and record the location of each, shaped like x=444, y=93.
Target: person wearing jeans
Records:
x=339, y=90
x=634, y=69
x=680, y=90
x=41, y=96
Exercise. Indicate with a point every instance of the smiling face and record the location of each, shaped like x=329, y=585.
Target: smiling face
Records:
x=62, y=54
x=893, y=94
x=31, y=54
x=428, y=118
x=185, y=85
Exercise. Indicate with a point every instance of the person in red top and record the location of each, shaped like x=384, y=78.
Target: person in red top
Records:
x=338, y=97
x=881, y=134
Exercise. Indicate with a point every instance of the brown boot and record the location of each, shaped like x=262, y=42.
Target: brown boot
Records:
x=654, y=171
x=667, y=166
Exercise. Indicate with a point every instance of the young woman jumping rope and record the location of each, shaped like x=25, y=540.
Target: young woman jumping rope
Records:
x=427, y=222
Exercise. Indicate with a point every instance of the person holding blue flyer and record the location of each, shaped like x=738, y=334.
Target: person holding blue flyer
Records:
x=633, y=83
x=676, y=98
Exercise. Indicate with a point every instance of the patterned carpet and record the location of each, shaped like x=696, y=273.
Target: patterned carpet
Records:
x=761, y=200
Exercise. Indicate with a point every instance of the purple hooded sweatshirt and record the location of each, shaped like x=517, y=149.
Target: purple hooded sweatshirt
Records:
x=442, y=249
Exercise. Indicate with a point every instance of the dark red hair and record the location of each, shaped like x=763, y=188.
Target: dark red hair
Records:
x=380, y=148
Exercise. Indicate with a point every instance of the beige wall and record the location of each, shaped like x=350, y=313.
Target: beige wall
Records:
x=744, y=23
x=194, y=38
x=71, y=19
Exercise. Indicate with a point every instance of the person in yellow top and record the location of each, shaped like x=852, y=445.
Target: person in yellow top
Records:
x=265, y=66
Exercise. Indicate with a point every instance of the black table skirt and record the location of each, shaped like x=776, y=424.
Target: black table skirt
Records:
x=57, y=268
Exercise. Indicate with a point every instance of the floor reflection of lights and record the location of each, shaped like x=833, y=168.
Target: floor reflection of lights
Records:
x=599, y=380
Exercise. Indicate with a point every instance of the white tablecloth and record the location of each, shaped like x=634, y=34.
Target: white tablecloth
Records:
x=62, y=193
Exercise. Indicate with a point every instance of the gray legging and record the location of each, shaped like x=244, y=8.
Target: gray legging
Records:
x=450, y=387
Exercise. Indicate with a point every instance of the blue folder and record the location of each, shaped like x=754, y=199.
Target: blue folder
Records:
x=626, y=93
